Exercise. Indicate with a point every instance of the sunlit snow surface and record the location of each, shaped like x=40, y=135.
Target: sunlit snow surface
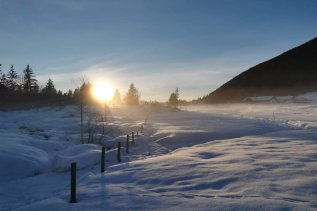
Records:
x=222, y=157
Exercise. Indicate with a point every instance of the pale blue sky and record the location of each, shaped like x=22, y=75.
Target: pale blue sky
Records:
x=158, y=45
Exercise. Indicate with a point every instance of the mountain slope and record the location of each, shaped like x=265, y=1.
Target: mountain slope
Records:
x=290, y=73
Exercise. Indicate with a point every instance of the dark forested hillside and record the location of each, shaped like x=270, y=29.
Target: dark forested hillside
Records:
x=290, y=73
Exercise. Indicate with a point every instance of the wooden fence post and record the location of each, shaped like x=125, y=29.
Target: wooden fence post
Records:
x=103, y=159
x=119, y=152
x=132, y=137
x=127, y=150
x=73, y=183
x=142, y=128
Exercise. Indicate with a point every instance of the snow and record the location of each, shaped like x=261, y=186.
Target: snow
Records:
x=260, y=99
x=308, y=97
x=85, y=155
x=221, y=157
x=284, y=98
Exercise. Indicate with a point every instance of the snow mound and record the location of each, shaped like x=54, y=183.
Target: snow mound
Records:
x=84, y=155
x=22, y=156
x=111, y=142
x=29, y=161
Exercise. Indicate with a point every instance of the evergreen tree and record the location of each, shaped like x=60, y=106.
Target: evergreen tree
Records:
x=173, y=100
x=12, y=77
x=49, y=87
x=116, y=99
x=70, y=93
x=3, y=79
x=60, y=93
x=132, y=97
x=177, y=93
x=85, y=93
x=29, y=81
x=76, y=94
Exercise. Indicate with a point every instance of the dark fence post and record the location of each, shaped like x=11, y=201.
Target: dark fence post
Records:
x=127, y=150
x=119, y=152
x=73, y=183
x=142, y=128
x=132, y=137
x=103, y=159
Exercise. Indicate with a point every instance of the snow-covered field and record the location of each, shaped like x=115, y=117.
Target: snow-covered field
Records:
x=221, y=157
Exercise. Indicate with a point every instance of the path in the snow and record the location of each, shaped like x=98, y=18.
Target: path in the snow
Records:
x=166, y=131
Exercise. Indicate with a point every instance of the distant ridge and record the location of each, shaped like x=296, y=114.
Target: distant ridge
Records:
x=293, y=72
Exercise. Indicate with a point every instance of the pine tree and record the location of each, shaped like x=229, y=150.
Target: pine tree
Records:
x=49, y=87
x=77, y=95
x=116, y=99
x=132, y=97
x=3, y=79
x=85, y=93
x=173, y=100
x=29, y=81
x=177, y=93
x=12, y=77
x=60, y=93
x=70, y=93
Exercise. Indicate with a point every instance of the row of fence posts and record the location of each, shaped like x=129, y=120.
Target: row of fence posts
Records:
x=73, y=166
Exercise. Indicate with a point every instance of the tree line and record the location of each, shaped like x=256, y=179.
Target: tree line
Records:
x=24, y=90
x=25, y=83
x=83, y=95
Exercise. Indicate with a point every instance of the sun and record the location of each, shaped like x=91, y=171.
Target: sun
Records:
x=102, y=91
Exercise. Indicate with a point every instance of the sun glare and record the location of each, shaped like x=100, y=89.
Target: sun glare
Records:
x=102, y=91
